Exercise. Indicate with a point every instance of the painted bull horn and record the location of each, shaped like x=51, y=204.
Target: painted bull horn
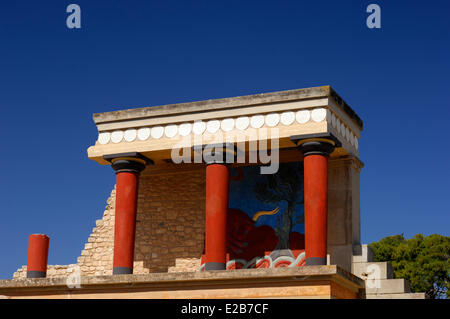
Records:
x=261, y=213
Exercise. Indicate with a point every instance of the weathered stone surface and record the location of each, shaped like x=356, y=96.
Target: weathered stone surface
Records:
x=185, y=265
x=417, y=295
x=373, y=270
x=259, y=273
x=388, y=286
x=343, y=209
x=362, y=254
x=53, y=271
x=378, y=277
x=299, y=282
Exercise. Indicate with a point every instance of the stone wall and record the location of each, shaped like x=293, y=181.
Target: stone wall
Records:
x=343, y=210
x=170, y=219
x=97, y=256
x=169, y=228
x=53, y=271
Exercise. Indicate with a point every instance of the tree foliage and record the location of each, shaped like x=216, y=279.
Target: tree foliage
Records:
x=422, y=260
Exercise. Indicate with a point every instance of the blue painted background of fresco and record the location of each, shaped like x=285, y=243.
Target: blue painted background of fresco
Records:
x=242, y=196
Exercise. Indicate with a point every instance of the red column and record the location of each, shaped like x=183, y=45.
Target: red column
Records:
x=125, y=222
x=315, y=160
x=316, y=208
x=37, y=256
x=217, y=183
x=128, y=166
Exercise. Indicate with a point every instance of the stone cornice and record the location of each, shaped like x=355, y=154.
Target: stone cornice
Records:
x=155, y=131
x=229, y=103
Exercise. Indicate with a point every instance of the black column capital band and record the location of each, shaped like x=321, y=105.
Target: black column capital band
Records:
x=215, y=266
x=314, y=261
x=220, y=153
x=36, y=274
x=316, y=144
x=132, y=162
x=122, y=271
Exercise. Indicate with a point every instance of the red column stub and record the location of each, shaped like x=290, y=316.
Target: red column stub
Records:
x=315, y=153
x=37, y=256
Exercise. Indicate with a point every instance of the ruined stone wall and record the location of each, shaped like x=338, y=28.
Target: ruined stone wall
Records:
x=52, y=271
x=97, y=256
x=169, y=228
x=170, y=219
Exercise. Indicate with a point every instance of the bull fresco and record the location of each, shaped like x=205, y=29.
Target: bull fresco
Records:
x=265, y=220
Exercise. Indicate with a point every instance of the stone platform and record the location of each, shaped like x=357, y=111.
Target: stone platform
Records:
x=321, y=282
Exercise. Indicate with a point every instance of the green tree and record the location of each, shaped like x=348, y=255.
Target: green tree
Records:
x=423, y=261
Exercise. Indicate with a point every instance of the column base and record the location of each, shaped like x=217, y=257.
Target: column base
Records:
x=36, y=274
x=315, y=261
x=215, y=266
x=122, y=271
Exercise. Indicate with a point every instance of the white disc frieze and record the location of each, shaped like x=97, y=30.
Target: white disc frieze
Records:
x=347, y=134
x=157, y=132
x=303, y=116
x=343, y=130
x=213, y=126
x=338, y=126
x=199, y=127
x=171, y=130
x=318, y=115
x=130, y=135
x=242, y=123
x=287, y=118
x=328, y=116
x=333, y=120
x=272, y=119
x=185, y=129
x=117, y=136
x=227, y=125
x=143, y=133
x=257, y=121
x=104, y=138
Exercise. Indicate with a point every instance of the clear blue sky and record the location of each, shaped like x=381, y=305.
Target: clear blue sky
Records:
x=141, y=53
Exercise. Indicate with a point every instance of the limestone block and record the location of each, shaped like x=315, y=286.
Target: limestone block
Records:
x=373, y=270
x=340, y=255
x=417, y=295
x=387, y=286
x=362, y=254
